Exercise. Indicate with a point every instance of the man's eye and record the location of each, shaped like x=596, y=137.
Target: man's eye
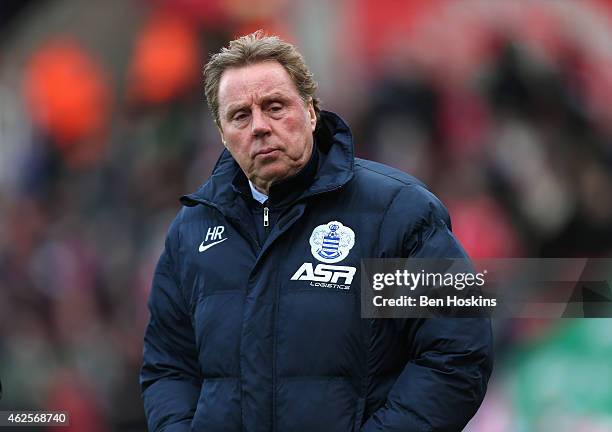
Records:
x=276, y=107
x=239, y=116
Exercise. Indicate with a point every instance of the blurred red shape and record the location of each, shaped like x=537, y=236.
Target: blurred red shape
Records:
x=67, y=92
x=70, y=392
x=166, y=60
x=209, y=13
x=483, y=228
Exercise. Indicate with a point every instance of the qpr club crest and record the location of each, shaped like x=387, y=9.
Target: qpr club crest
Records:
x=331, y=242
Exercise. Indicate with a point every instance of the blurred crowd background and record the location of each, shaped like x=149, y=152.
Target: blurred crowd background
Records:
x=504, y=108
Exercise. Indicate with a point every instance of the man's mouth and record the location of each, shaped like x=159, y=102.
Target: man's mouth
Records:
x=266, y=151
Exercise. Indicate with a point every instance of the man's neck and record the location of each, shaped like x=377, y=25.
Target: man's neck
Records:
x=257, y=194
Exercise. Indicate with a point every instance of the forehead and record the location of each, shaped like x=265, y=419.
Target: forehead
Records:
x=253, y=81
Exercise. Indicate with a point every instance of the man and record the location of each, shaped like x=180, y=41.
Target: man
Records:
x=255, y=305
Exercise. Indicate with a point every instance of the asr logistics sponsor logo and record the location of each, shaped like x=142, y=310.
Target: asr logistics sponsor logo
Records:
x=326, y=275
x=329, y=243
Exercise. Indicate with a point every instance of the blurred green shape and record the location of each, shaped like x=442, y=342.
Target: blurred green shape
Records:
x=566, y=376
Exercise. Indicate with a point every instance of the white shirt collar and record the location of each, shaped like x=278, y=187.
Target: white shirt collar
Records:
x=262, y=198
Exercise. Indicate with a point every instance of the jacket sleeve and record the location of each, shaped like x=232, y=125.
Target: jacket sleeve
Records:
x=169, y=377
x=445, y=379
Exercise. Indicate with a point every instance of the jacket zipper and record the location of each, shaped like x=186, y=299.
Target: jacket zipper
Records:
x=266, y=217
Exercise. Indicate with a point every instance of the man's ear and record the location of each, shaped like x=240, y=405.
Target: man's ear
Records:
x=222, y=136
x=313, y=115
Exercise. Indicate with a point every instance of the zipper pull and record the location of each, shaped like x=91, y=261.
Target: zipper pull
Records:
x=266, y=217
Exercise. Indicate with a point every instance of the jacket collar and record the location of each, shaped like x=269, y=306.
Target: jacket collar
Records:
x=335, y=168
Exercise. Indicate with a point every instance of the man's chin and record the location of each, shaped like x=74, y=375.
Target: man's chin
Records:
x=273, y=176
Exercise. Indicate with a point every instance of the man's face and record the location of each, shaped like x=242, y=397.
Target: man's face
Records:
x=266, y=125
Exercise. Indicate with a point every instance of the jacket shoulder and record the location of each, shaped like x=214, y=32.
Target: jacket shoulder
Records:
x=182, y=224
x=384, y=175
x=192, y=211
x=403, y=194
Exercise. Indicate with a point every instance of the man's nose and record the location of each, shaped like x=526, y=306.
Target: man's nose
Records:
x=260, y=125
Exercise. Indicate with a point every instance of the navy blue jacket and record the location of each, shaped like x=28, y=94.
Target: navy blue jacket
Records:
x=242, y=337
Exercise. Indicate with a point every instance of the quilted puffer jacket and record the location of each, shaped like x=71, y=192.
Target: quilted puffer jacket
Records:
x=266, y=335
